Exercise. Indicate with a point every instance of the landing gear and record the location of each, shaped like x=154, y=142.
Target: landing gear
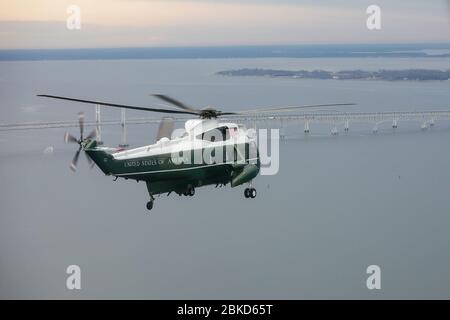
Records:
x=150, y=203
x=250, y=193
x=190, y=191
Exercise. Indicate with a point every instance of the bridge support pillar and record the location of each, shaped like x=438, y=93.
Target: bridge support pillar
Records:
x=98, y=129
x=424, y=126
x=375, y=128
x=432, y=122
x=306, y=127
x=394, y=124
x=123, y=143
x=334, y=131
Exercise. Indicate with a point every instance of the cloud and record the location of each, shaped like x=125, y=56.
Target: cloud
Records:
x=54, y=34
x=120, y=23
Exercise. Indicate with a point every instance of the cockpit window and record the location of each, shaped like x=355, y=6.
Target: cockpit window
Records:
x=216, y=134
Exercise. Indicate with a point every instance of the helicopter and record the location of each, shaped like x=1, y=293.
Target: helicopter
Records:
x=209, y=152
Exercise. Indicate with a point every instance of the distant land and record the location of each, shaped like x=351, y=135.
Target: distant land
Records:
x=221, y=52
x=388, y=75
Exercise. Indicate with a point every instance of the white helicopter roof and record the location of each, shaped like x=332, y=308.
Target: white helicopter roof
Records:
x=193, y=127
x=198, y=126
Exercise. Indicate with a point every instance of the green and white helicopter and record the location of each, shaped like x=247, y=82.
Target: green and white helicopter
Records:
x=209, y=152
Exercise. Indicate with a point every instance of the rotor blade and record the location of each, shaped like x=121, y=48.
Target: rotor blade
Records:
x=73, y=164
x=92, y=134
x=291, y=108
x=227, y=113
x=115, y=105
x=69, y=138
x=174, y=102
x=89, y=160
x=165, y=128
x=81, y=123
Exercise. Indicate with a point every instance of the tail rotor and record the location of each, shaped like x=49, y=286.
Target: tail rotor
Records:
x=68, y=138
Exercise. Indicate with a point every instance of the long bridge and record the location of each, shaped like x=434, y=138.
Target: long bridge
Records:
x=427, y=118
x=335, y=119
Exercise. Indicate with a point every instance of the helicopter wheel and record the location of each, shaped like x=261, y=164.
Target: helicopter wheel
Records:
x=250, y=193
x=190, y=191
x=150, y=205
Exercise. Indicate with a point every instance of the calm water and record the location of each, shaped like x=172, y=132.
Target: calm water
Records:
x=337, y=205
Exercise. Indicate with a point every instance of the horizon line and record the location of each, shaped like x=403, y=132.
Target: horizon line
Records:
x=235, y=46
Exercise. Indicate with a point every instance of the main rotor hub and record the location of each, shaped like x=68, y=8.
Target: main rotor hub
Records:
x=208, y=114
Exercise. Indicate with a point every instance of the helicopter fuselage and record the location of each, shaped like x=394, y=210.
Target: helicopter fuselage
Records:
x=208, y=153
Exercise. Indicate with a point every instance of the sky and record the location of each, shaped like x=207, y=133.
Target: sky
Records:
x=153, y=23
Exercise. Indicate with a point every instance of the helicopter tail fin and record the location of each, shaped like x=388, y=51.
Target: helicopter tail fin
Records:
x=102, y=159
